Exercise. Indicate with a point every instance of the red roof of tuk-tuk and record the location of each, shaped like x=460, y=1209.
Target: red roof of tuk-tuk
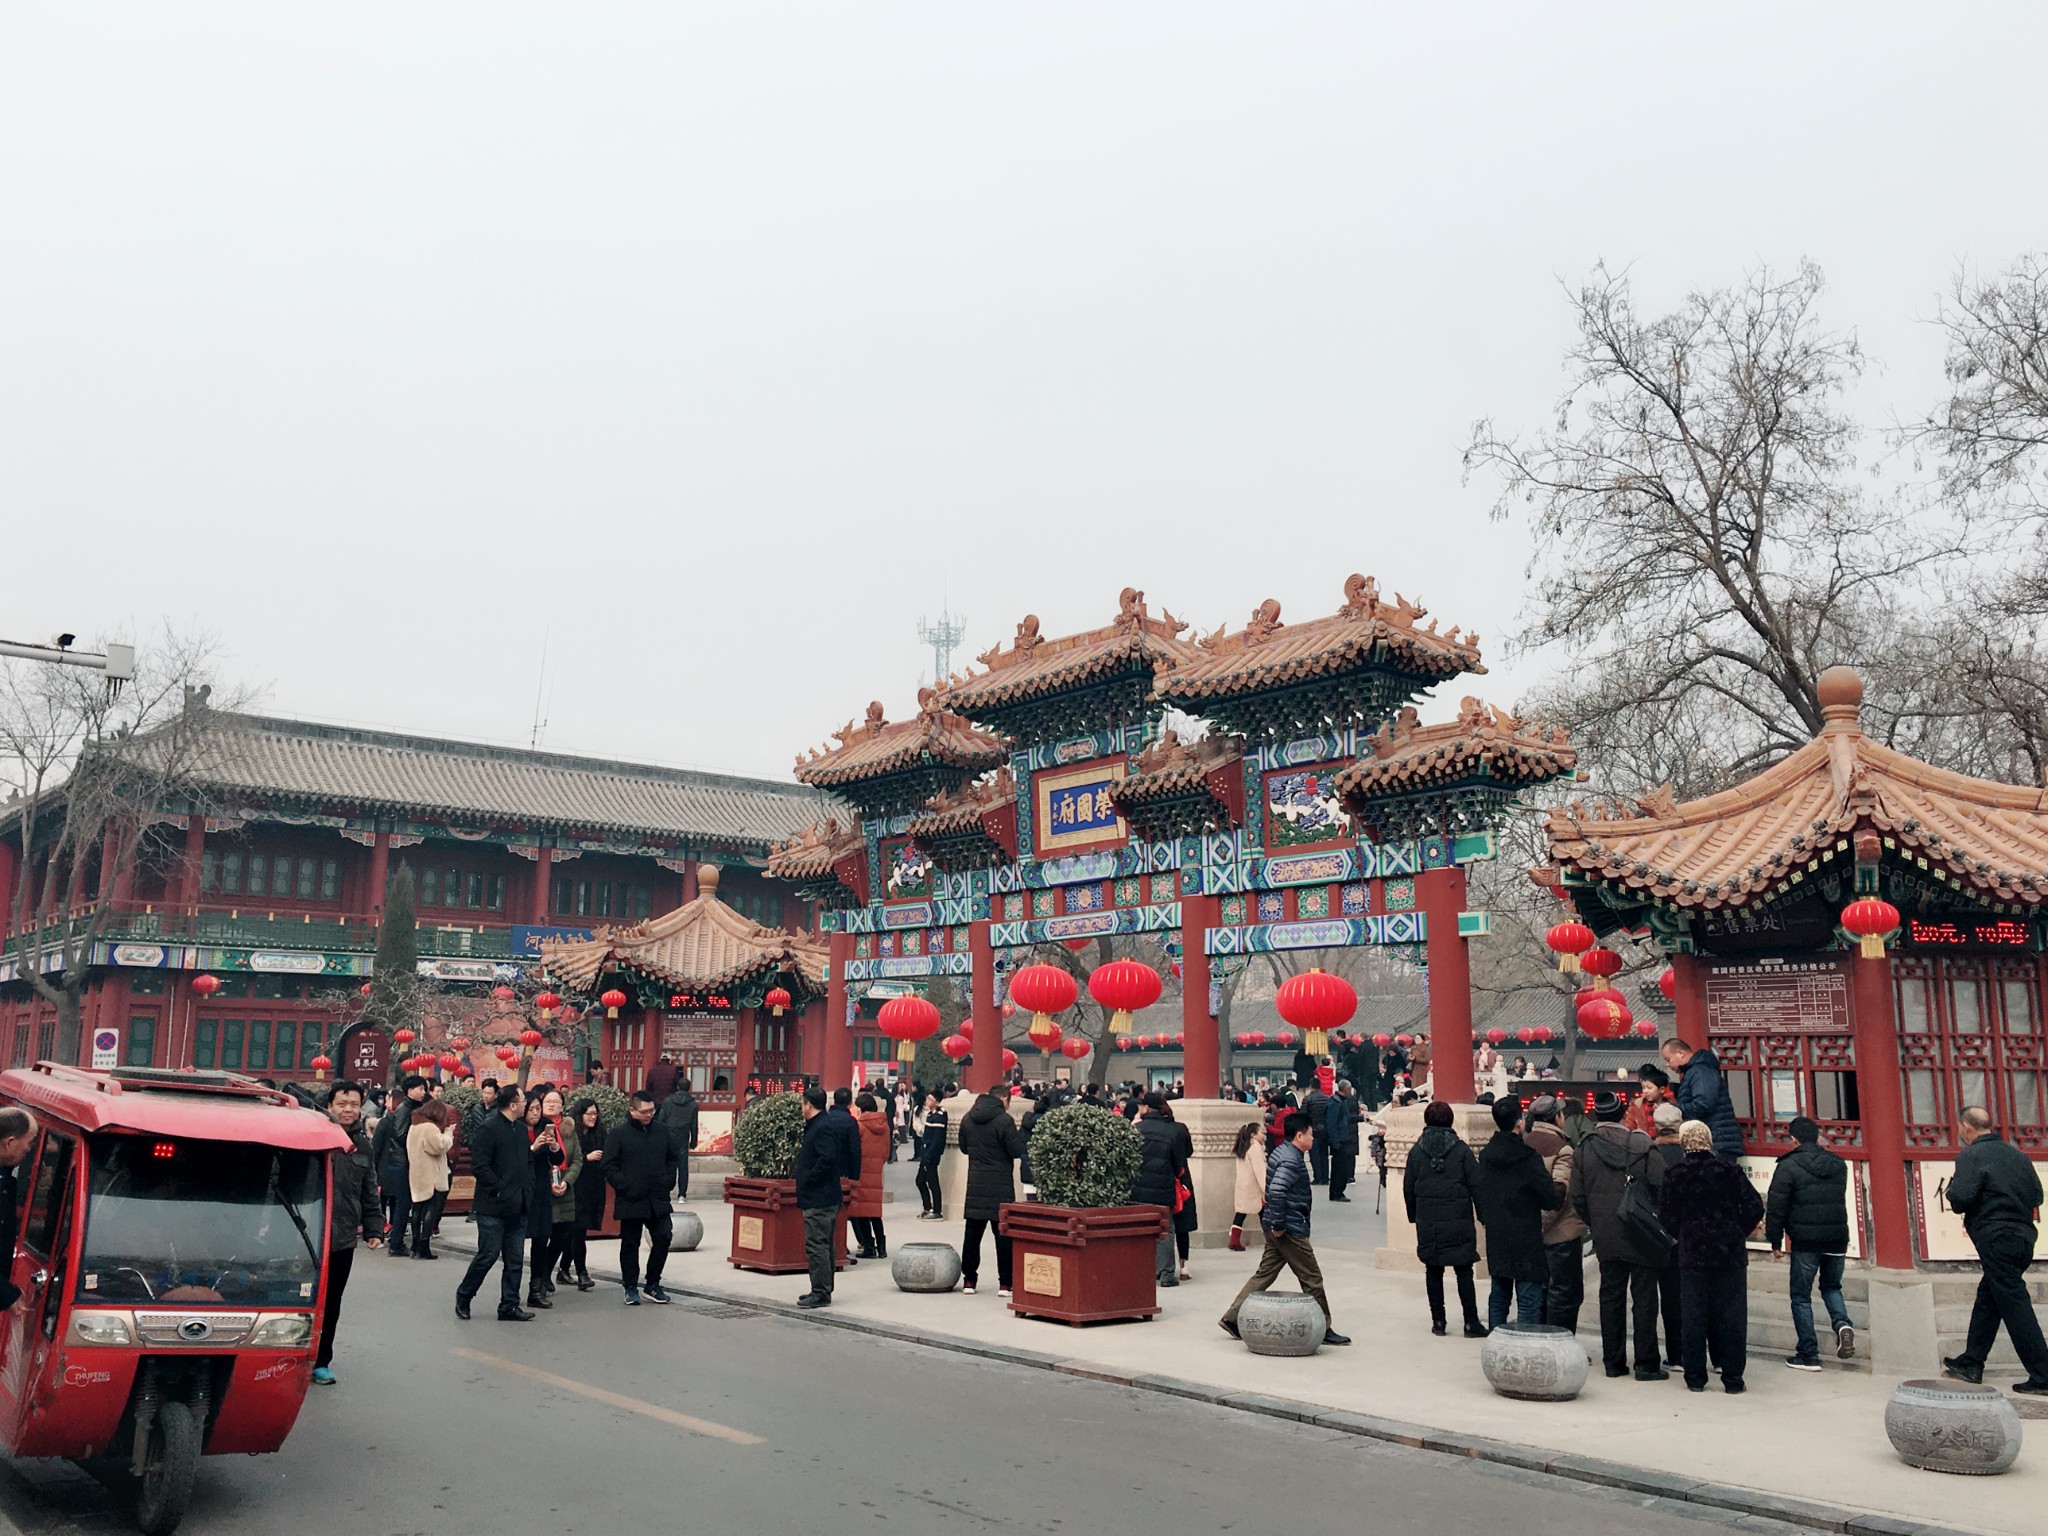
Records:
x=213, y=1106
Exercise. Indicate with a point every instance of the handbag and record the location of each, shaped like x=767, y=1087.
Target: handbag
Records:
x=1637, y=1213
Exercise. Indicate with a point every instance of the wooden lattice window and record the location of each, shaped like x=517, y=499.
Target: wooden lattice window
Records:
x=1970, y=1032
x=1772, y=1077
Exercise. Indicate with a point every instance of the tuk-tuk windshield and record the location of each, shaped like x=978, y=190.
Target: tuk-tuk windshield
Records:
x=201, y=1223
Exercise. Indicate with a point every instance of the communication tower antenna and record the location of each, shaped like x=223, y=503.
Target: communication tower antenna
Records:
x=942, y=634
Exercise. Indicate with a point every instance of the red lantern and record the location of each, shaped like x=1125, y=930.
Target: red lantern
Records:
x=322, y=1065
x=547, y=1002
x=1570, y=940
x=1496, y=1037
x=1123, y=1042
x=1542, y=1034
x=1009, y=1009
x=1316, y=1002
x=1404, y=1041
x=507, y=1054
x=1258, y=1037
x=967, y=1028
x=450, y=1061
x=956, y=1047
x=1526, y=1034
x=205, y=985
x=404, y=1035
x=1180, y=1040
x=1048, y=1040
x=458, y=1043
x=1600, y=961
x=907, y=1020
x=1009, y=1061
x=613, y=1001
x=1646, y=1029
x=1668, y=984
x=1603, y=1015
x=504, y=994
x=1077, y=945
x=1284, y=1038
x=1871, y=920
x=1045, y=990
x=777, y=1000
x=1125, y=987
x=1383, y=1040
x=1074, y=1049
x=364, y=989
x=531, y=1038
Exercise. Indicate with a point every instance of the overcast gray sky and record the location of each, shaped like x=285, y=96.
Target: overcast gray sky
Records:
x=717, y=341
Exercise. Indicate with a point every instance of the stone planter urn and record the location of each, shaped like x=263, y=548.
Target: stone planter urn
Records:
x=1542, y=1364
x=1950, y=1426
x=1281, y=1323
x=688, y=1230
x=925, y=1267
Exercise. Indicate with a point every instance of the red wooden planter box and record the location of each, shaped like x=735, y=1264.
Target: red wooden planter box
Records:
x=1083, y=1266
x=768, y=1229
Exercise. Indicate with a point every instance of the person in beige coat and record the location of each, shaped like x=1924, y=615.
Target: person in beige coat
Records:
x=1564, y=1234
x=427, y=1145
x=1250, y=1194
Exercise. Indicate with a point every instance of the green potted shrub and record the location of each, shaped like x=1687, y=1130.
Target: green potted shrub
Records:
x=1082, y=1253
x=767, y=1227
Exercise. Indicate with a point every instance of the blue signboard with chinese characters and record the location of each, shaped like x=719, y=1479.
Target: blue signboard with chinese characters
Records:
x=1074, y=805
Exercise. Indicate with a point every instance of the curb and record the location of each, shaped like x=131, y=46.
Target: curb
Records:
x=1647, y=1481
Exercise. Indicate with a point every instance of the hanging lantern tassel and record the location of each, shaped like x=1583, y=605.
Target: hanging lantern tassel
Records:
x=906, y=1050
x=1315, y=1042
x=1120, y=1022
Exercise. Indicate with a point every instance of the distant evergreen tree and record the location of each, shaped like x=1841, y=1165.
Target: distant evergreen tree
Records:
x=395, y=995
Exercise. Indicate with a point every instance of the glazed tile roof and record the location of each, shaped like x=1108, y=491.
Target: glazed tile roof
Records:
x=1033, y=666
x=1736, y=847
x=813, y=852
x=1482, y=741
x=876, y=748
x=702, y=946
x=1171, y=767
x=959, y=815
x=382, y=772
x=1366, y=630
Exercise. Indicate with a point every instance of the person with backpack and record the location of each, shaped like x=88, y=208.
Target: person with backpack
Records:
x=1807, y=1209
x=1617, y=1180
x=1709, y=1207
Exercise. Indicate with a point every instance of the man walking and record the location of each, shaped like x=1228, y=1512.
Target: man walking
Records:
x=640, y=1165
x=1285, y=1222
x=820, y=1164
x=1997, y=1192
x=354, y=1210
x=677, y=1115
x=1515, y=1189
x=1564, y=1230
x=1631, y=1260
x=1341, y=1127
x=387, y=1150
x=1702, y=1095
x=502, y=1161
x=1808, y=1209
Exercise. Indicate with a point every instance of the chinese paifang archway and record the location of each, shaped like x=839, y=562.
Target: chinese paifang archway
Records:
x=1041, y=799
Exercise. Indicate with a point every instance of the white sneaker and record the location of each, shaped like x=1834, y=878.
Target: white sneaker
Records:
x=967, y=1289
x=1003, y=1291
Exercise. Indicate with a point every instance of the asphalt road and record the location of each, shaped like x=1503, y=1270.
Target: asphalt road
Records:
x=606, y=1420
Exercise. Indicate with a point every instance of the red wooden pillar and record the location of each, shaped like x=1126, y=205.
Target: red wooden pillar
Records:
x=380, y=874
x=1201, y=1066
x=810, y=1038
x=537, y=898
x=1690, y=998
x=1440, y=893
x=1881, y=1090
x=127, y=854
x=749, y=1027
x=195, y=851
x=836, y=1065
x=985, y=1068
x=10, y=878
x=689, y=881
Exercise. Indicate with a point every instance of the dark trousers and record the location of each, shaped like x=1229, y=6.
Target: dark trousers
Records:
x=1295, y=1253
x=928, y=1187
x=660, y=1230
x=426, y=1216
x=2002, y=1298
x=1343, y=1168
x=868, y=1233
x=1628, y=1292
x=1673, y=1309
x=397, y=1186
x=499, y=1242
x=682, y=1173
x=1468, y=1294
x=819, y=1223
x=1525, y=1296
x=339, y=1262
x=1806, y=1268
x=970, y=1253
x=1319, y=1158
x=1565, y=1291
x=1716, y=1308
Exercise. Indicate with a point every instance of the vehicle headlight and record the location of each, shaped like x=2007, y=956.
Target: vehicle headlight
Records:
x=101, y=1328
x=289, y=1330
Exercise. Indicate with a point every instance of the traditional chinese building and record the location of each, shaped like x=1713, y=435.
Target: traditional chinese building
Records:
x=272, y=879
x=1746, y=889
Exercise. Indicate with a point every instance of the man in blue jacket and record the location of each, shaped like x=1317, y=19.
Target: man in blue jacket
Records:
x=1285, y=1221
x=1703, y=1095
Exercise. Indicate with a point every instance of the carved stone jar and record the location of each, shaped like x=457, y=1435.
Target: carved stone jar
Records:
x=1542, y=1363
x=687, y=1230
x=1281, y=1323
x=1948, y=1426
x=925, y=1267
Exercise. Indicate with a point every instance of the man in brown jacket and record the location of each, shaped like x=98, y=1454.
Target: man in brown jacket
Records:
x=1564, y=1233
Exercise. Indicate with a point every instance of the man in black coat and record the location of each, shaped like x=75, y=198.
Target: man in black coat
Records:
x=677, y=1114
x=387, y=1151
x=1998, y=1193
x=1317, y=1103
x=18, y=1132
x=992, y=1144
x=355, y=1211
x=1709, y=1208
x=1515, y=1189
x=501, y=1159
x=1340, y=1119
x=640, y=1164
x=820, y=1165
x=1702, y=1094
x=1808, y=1209
x=1603, y=1167
x=931, y=1149
x=1162, y=1161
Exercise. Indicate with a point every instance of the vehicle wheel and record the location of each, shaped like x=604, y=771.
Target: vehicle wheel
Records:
x=167, y=1471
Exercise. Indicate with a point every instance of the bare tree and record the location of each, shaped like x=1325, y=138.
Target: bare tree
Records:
x=1703, y=548
x=1992, y=431
x=90, y=773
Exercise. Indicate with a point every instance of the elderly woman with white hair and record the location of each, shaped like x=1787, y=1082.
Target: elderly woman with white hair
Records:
x=1709, y=1207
